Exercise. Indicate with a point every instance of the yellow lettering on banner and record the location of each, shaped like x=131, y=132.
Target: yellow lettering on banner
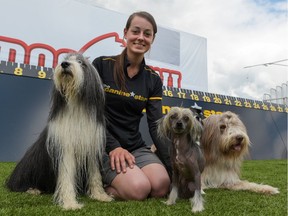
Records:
x=168, y=93
x=206, y=99
x=280, y=109
x=165, y=109
x=273, y=108
x=227, y=101
x=247, y=104
x=41, y=74
x=208, y=113
x=256, y=106
x=265, y=107
x=217, y=100
x=194, y=97
x=181, y=95
x=18, y=71
x=238, y=103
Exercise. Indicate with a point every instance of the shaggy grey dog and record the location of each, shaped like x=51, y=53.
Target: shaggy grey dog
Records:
x=66, y=155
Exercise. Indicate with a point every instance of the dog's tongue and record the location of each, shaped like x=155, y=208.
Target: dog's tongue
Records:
x=237, y=147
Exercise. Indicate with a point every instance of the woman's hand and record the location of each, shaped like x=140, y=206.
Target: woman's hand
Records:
x=118, y=159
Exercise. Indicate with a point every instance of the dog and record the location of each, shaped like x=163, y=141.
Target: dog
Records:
x=225, y=145
x=182, y=128
x=66, y=157
x=197, y=111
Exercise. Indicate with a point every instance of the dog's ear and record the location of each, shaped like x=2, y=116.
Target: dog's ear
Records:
x=209, y=131
x=197, y=130
x=162, y=128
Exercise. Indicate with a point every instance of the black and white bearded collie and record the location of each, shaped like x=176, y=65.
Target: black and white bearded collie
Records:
x=66, y=157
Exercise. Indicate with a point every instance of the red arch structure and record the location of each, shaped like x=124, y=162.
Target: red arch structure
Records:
x=56, y=53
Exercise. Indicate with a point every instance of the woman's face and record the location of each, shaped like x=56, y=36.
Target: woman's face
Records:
x=139, y=36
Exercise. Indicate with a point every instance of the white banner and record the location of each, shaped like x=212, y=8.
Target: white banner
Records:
x=39, y=32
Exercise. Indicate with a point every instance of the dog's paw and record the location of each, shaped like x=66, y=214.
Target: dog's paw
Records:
x=101, y=196
x=267, y=189
x=169, y=202
x=71, y=206
x=33, y=191
x=275, y=191
x=198, y=208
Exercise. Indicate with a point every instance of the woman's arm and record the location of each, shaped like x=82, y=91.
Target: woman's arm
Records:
x=154, y=113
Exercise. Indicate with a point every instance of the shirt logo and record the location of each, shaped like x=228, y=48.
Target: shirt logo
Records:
x=110, y=90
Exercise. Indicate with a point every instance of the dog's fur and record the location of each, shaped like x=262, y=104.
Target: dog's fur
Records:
x=225, y=144
x=66, y=157
x=184, y=130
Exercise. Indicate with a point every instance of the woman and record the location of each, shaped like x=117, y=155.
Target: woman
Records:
x=130, y=170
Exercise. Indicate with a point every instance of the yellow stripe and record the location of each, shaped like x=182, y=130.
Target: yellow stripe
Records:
x=152, y=71
x=104, y=59
x=155, y=98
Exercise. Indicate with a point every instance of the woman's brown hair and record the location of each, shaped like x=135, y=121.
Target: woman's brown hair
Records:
x=119, y=75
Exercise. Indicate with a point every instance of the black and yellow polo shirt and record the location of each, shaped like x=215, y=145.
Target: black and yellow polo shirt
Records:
x=123, y=109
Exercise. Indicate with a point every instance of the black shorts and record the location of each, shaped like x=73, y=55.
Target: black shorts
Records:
x=143, y=156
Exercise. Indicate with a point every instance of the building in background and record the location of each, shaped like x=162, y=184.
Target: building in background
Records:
x=278, y=95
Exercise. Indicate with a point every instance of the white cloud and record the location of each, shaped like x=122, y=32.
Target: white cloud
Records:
x=239, y=33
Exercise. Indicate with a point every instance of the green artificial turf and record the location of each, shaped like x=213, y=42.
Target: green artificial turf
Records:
x=217, y=201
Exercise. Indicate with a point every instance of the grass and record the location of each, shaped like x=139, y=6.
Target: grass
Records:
x=217, y=201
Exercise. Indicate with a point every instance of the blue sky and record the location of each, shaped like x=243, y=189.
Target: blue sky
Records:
x=273, y=6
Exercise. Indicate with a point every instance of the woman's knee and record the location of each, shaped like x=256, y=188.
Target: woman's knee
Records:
x=139, y=189
x=161, y=187
x=132, y=187
x=159, y=179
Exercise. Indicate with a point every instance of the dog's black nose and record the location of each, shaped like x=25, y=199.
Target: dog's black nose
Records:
x=65, y=64
x=179, y=124
x=239, y=138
